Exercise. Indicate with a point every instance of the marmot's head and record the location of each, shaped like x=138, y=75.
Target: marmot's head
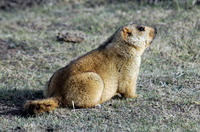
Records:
x=137, y=36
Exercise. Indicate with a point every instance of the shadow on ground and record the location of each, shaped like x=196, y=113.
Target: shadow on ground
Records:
x=12, y=101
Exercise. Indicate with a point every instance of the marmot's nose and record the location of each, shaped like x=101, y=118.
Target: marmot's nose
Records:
x=155, y=30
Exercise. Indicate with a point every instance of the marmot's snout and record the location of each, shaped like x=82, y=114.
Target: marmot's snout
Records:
x=155, y=30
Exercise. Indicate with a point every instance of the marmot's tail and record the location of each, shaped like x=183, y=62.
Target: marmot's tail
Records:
x=41, y=106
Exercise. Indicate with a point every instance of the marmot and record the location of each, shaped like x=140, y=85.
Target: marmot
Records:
x=98, y=75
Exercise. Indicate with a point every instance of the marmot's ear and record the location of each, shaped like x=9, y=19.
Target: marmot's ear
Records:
x=126, y=32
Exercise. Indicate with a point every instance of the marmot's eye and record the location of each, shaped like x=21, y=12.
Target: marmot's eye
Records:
x=129, y=33
x=141, y=28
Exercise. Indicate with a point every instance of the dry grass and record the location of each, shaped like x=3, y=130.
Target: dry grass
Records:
x=169, y=82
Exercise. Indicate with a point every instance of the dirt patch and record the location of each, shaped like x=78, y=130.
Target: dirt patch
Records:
x=73, y=36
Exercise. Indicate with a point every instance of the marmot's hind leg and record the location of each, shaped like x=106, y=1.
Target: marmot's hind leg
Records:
x=83, y=90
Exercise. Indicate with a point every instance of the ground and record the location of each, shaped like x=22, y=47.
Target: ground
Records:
x=169, y=80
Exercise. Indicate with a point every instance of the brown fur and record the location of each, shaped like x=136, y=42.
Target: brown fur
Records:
x=98, y=75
